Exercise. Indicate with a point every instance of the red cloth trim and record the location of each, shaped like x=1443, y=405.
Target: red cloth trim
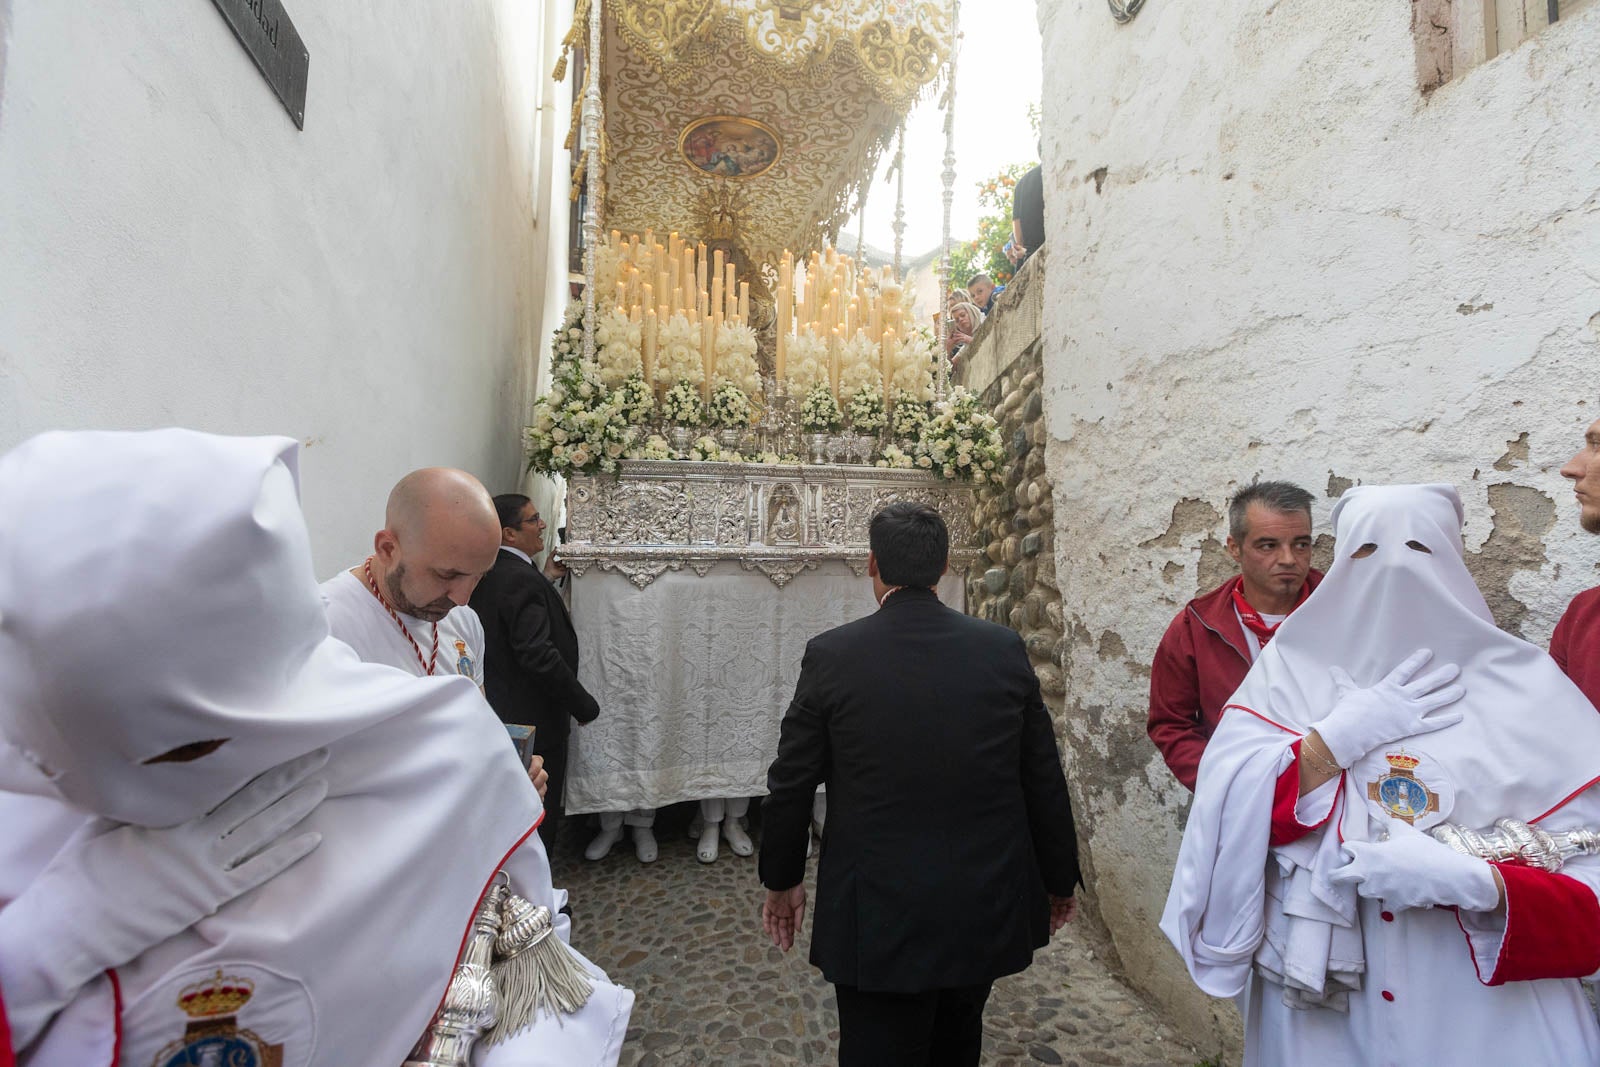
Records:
x=1286, y=825
x=1552, y=927
x=1263, y=718
x=8, y=1055
x=116, y=1004
x=466, y=933
x=1565, y=800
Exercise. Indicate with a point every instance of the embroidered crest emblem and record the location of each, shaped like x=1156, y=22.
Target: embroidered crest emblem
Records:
x=1399, y=793
x=213, y=1037
x=463, y=661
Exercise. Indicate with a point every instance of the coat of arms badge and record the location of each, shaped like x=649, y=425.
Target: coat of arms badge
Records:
x=1400, y=793
x=213, y=1037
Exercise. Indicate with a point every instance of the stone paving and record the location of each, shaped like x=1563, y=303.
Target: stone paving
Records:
x=686, y=938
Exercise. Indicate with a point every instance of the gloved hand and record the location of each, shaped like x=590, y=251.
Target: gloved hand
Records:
x=1395, y=708
x=114, y=891
x=1412, y=870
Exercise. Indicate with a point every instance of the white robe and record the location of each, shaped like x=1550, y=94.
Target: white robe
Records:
x=1441, y=1012
x=1335, y=978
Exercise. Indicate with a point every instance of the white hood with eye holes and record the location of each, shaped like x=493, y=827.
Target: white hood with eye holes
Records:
x=156, y=593
x=1529, y=738
x=1528, y=742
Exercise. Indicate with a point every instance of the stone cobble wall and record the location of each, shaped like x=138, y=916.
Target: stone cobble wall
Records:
x=1013, y=581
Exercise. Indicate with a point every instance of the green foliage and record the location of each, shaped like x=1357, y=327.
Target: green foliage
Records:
x=985, y=253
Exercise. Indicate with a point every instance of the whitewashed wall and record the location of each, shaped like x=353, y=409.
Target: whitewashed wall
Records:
x=1271, y=256
x=174, y=251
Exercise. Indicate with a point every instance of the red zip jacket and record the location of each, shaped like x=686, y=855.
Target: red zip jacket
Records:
x=1201, y=660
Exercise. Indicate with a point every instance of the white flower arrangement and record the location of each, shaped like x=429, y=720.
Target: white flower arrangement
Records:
x=858, y=367
x=707, y=450
x=682, y=405
x=962, y=441
x=909, y=417
x=635, y=399
x=771, y=457
x=730, y=408
x=819, y=412
x=866, y=412
x=678, y=355
x=654, y=447
x=913, y=366
x=736, y=359
x=577, y=426
x=807, y=362
x=567, y=341
x=894, y=456
x=618, y=347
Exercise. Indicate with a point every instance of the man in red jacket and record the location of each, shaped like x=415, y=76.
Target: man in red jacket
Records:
x=1208, y=648
x=1575, y=645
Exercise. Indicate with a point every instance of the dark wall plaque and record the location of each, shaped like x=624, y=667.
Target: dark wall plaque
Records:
x=263, y=27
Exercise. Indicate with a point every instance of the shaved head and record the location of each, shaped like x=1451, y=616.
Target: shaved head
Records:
x=441, y=534
x=427, y=499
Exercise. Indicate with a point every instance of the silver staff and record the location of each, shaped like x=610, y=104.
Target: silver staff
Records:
x=1511, y=841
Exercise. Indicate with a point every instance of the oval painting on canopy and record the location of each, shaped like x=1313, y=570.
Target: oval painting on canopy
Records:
x=729, y=146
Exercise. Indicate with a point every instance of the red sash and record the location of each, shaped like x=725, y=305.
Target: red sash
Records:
x=1252, y=618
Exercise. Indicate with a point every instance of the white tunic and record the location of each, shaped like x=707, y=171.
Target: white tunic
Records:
x=1333, y=977
x=361, y=621
x=1423, y=997
x=593, y=1035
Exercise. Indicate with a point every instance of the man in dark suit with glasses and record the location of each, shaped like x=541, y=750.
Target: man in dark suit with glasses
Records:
x=530, y=656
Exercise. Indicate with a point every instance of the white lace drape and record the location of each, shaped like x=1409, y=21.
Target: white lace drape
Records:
x=693, y=675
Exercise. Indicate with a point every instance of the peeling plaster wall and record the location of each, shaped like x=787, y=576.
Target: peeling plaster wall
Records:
x=1272, y=256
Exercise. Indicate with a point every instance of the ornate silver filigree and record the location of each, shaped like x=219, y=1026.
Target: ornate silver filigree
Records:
x=1512, y=841
x=660, y=515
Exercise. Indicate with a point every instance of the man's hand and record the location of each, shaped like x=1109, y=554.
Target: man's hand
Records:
x=1396, y=708
x=554, y=569
x=538, y=775
x=1407, y=868
x=782, y=914
x=1062, y=911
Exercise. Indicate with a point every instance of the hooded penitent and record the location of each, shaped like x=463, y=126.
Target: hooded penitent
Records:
x=1527, y=742
x=161, y=643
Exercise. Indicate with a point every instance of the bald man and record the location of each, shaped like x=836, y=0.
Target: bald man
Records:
x=405, y=605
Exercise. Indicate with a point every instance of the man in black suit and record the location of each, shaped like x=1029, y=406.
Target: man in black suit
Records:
x=949, y=853
x=530, y=652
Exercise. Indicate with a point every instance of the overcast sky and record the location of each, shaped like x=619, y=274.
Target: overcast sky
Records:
x=998, y=72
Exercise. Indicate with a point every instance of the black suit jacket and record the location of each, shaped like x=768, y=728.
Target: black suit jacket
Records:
x=948, y=815
x=530, y=651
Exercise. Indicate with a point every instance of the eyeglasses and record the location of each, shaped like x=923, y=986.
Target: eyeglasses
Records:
x=530, y=520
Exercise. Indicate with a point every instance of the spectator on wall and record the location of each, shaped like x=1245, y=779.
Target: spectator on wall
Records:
x=1027, y=214
x=983, y=291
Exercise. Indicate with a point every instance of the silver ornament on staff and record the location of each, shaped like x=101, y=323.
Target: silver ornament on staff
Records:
x=1511, y=841
x=512, y=969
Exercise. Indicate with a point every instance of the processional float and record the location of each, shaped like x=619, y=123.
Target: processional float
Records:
x=733, y=398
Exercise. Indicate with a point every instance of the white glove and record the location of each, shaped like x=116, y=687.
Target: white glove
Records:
x=1395, y=708
x=1412, y=870
x=114, y=891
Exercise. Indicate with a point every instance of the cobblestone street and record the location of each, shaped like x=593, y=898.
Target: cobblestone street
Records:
x=686, y=937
